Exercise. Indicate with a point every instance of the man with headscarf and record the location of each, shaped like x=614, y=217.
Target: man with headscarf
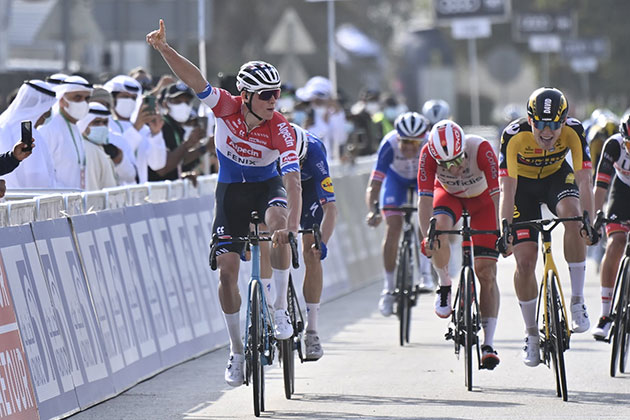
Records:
x=144, y=134
x=32, y=103
x=116, y=146
x=63, y=136
x=100, y=155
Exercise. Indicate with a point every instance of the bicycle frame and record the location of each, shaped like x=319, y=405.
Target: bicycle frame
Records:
x=550, y=268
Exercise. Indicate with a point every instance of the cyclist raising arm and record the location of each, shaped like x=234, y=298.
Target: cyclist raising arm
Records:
x=467, y=173
x=396, y=166
x=533, y=160
x=614, y=160
x=250, y=137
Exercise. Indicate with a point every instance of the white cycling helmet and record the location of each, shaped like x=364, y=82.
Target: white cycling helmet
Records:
x=255, y=76
x=411, y=125
x=436, y=110
x=301, y=138
x=446, y=141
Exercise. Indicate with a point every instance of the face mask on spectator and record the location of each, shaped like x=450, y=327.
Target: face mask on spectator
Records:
x=180, y=112
x=391, y=112
x=299, y=117
x=372, y=107
x=125, y=107
x=77, y=110
x=99, y=134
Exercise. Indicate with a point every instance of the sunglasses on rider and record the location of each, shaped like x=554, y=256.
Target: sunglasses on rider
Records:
x=448, y=164
x=553, y=125
x=265, y=95
x=410, y=141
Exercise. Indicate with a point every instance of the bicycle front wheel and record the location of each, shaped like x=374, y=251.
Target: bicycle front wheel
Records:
x=403, y=280
x=469, y=330
x=624, y=326
x=557, y=335
x=621, y=291
x=287, y=347
x=256, y=332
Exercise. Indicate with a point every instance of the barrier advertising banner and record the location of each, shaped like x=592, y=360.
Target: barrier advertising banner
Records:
x=121, y=304
x=75, y=334
x=49, y=359
x=17, y=398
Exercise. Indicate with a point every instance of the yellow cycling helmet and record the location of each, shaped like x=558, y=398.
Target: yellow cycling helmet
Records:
x=547, y=107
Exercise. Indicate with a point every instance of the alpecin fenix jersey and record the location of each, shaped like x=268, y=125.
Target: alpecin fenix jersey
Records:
x=249, y=156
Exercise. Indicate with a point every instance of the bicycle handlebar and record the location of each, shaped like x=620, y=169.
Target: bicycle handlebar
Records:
x=434, y=232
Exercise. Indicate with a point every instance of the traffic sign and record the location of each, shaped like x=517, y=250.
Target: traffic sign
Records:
x=290, y=36
x=447, y=10
x=545, y=43
x=586, y=47
x=471, y=28
x=543, y=23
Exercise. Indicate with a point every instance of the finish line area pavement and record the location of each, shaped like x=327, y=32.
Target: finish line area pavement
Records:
x=366, y=374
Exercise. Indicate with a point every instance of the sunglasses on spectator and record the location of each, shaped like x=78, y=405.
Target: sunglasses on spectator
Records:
x=553, y=125
x=265, y=95
x=448, y=164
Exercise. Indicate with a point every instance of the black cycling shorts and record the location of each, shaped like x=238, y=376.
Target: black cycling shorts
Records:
x=531, y=193
x=234, y=204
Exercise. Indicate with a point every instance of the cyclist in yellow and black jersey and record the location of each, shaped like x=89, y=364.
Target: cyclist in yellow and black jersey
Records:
x=523, y=156
x=533, y=170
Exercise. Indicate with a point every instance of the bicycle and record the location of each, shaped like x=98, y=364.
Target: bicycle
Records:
x=555, y=333
x=619, y=332
x=406, y=292
x=259, y=339
x=296, y=342
x=466, y=319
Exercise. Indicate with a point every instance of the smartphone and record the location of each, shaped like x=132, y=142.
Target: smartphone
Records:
x=27, y=135
x=149, y=100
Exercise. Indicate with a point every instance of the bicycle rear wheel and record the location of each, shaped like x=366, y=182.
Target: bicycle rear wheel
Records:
x=256, y=346
x=287, y=347
x=557, y=334
x=617, y=333
x=469, y=330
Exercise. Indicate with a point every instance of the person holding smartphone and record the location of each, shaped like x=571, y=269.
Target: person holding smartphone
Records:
x=11, y=159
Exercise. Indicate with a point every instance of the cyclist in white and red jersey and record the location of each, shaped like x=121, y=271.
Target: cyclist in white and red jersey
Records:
x=457, y=172
x=250, y=137
x=613, y=169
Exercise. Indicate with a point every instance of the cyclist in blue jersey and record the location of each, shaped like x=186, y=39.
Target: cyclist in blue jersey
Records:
x=249, y=138
x=397, y=167
x=318, y=207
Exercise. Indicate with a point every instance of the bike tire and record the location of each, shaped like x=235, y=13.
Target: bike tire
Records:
x=617, y=327
x=256, y=343
x=557, y=331
x=468, y=326
x=287, y=347
x=402, y=300
x=625, y=324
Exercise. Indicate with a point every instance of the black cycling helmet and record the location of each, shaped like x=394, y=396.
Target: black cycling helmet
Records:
x=624, y=127
x=547, y=104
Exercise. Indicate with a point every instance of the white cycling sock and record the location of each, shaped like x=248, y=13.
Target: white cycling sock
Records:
x=267, y=288
x=489, y=326
x=577, y=271
x=444, y=277
x=312, y=312
x=281, y=280
x=233, y=323
x=389, y=283
x=607, y=293
x=425, y=265
x=528, y=309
